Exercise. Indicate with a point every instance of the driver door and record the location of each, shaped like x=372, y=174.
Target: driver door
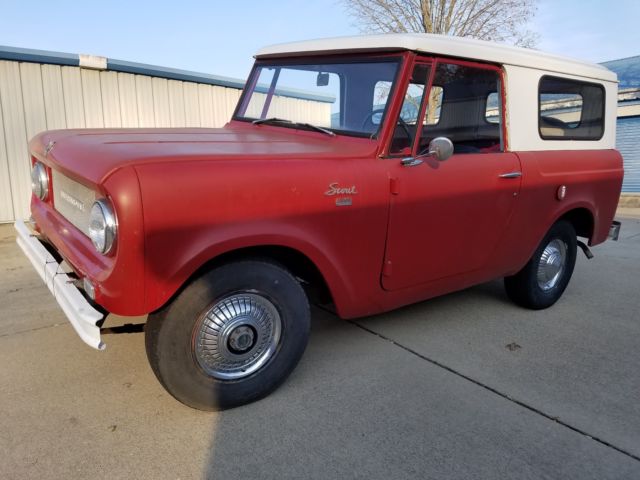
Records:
x=448, y=217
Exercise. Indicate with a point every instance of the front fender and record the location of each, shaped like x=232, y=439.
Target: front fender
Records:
x=208, y=244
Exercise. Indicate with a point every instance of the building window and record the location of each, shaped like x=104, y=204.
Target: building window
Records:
x=570, y=110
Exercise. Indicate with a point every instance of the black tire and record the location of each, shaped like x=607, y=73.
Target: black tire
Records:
x=174, y=334
x=526, y=289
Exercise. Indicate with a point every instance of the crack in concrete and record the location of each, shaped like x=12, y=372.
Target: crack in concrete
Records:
x=19, y=332
x=498, y=392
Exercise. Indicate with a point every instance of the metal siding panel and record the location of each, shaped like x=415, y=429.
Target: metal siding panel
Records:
x=73, y=103
x=110, y=99
x=191, y=108
x=92, y=98
x=628, y=143
x=15, y=137
x=6, y=202
x=33, y=99
x=224, y=102
x=161, y=109
x=144, y=95
x=128, y=100
x=53, y=96
x=176, y=103
x=205, y=103
x=231, y=97
x=218, y=102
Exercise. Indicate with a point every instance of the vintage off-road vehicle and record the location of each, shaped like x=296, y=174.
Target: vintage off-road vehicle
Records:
x=223, y=235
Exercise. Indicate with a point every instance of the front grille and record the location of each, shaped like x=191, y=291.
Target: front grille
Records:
x=72, y=200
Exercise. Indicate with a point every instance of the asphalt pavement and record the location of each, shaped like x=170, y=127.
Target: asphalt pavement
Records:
x=465, y=386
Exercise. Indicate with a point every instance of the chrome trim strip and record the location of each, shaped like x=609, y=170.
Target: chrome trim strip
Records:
x=81, y=314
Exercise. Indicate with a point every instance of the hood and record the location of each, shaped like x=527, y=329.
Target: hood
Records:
x=94, y=154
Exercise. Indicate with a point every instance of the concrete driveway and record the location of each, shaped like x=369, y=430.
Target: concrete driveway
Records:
x=463, y=386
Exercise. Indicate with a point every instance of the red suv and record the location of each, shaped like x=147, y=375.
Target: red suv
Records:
x=365, y=173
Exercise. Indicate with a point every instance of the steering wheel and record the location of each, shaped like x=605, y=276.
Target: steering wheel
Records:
x=401, y=122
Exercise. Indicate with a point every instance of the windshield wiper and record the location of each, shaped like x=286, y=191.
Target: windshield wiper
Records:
x=318, y=129
x=260, y=121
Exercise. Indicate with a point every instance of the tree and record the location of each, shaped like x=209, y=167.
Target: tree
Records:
x=495, y=20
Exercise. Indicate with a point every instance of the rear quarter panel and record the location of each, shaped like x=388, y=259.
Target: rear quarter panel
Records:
x=593, y=179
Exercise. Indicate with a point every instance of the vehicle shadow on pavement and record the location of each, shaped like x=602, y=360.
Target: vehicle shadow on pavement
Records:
x=361, y=406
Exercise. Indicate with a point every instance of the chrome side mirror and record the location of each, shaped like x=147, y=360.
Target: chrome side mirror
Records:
x=440, y=148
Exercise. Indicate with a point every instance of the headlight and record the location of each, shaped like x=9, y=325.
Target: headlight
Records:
x=102, y=226
x=39, y=181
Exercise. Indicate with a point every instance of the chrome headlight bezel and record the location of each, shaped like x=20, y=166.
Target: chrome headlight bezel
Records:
x=102, y=226
x=40, y=181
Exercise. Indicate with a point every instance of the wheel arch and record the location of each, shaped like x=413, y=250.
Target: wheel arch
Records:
x=293, y=260
x=579, y=215
x=319, y=276
x=582, y=219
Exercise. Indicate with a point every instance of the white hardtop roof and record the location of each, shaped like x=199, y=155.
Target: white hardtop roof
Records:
x=443, y=45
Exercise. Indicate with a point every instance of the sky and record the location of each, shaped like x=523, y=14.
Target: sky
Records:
x=221, y=37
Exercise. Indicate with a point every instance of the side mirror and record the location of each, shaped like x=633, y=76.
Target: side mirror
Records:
x=441, y=148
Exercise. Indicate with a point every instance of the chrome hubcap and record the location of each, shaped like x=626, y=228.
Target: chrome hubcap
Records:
x=551, y=264
x=236, y=336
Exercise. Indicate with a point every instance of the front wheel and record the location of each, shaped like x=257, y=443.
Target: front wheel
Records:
x=546, y=275
x=231, y=337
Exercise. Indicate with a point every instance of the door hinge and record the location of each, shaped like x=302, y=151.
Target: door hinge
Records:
x=394, y=186
x=387, y=268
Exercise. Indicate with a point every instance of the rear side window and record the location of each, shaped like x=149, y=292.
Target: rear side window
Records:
x=570, y=110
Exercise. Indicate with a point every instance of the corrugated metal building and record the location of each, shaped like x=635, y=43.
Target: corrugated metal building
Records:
x=42, y=90
x=628, y=128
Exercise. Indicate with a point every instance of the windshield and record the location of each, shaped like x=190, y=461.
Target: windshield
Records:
x=348, y=97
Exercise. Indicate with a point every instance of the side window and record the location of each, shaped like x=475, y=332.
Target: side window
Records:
x=464, y=106
x=570, y=109
x=407, y=126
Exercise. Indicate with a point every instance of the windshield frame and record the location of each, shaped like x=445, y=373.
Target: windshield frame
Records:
x=371, y=57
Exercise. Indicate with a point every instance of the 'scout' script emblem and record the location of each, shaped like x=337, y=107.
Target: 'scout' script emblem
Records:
x=336, y=189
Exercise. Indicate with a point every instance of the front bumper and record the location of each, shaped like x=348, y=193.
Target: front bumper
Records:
x=81, y=314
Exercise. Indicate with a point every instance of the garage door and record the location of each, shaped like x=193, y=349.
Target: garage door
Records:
x=628, y=143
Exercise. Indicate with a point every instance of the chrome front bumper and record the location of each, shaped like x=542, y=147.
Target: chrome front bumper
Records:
x=81, y=314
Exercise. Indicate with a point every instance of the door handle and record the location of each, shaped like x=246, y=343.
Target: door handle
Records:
x=510, y=175
x=411, y=162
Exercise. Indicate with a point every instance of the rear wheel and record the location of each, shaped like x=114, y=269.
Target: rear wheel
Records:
x=544, y=278
x=231, y=337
